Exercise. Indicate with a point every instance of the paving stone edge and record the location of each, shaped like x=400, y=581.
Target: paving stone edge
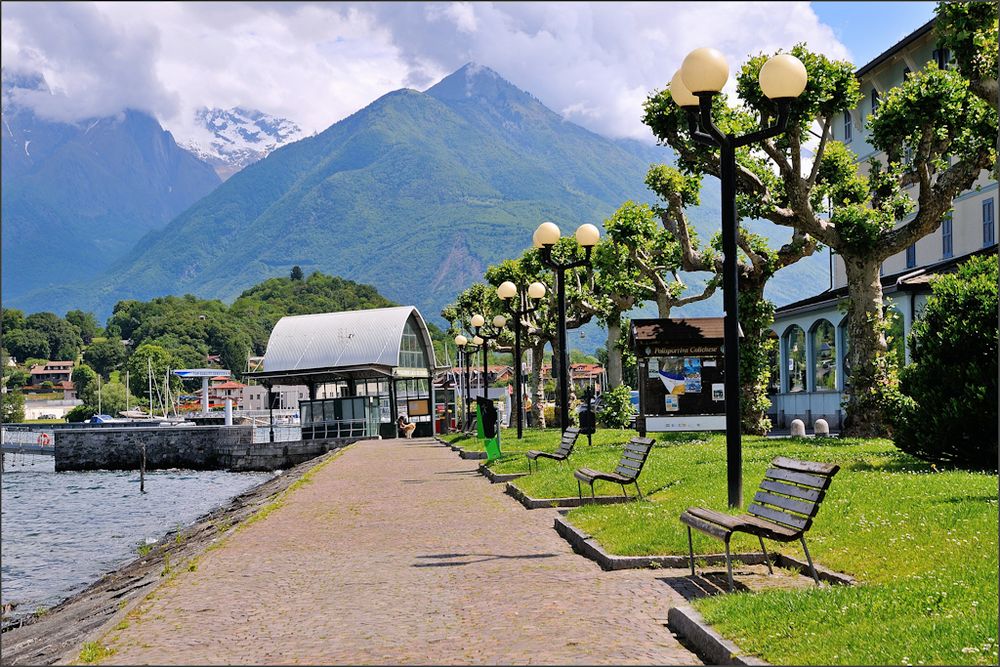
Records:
x=497, y=478
x=548, y=503
x=710, y=646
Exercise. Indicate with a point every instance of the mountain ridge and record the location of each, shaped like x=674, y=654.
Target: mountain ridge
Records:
x=77, y=196
x=416, y=193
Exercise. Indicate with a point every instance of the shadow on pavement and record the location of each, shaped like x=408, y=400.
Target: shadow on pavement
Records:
x=478, y=558
x=702, y=585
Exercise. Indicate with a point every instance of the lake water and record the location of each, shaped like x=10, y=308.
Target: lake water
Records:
x=60, y=532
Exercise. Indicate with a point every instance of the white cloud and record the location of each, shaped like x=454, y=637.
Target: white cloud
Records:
x=318, y=63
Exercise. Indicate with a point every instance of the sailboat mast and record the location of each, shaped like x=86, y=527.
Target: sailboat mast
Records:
x=149, y=376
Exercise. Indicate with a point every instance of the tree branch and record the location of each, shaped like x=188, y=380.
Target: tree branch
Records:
x=824, y=137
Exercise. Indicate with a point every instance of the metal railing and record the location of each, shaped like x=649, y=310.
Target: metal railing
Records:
x=345, y=428
x=282, y=433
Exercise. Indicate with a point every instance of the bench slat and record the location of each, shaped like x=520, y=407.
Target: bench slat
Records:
x=626, y=472
x=790, y=504
x=798, y=478
x=825, y=469
x=704, y=526
x=790, y=490
x=778, y=516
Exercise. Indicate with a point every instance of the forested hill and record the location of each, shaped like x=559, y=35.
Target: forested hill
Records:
x=190, y=328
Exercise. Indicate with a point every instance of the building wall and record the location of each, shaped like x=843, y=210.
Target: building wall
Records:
x=254, y=397
x=813, y=404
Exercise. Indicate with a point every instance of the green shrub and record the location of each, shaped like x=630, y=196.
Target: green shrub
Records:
x=80, y=413
x=948, y=410
x=549, y=412
x=617, y=410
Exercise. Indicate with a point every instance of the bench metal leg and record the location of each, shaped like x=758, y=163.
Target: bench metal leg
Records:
x=593, y=498
x=766, y=557
x=809, y=559
x=729, y=567
x=624, y=493
x=636, y=482
x=579, y=491
x=691, y=550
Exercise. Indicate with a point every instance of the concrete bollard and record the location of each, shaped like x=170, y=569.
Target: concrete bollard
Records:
x=798, y=427
x=821, y=427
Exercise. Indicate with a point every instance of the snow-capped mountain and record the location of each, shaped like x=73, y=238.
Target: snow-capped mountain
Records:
x=231, y=139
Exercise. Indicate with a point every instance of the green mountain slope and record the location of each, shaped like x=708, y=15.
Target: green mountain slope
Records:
x=416, y=194
x=77, y=197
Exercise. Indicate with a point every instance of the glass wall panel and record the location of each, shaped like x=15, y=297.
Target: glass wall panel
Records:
x=412, y=353
x=795, y=354
x=824, y=345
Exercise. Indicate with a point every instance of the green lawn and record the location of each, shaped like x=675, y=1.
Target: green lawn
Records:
x=922, y=544
x=512, y=459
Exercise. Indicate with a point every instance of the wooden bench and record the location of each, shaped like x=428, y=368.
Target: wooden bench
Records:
x=782, y=510
x=569, y=437
x=633, y=458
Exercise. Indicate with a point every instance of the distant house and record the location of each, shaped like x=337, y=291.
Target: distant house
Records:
x=67, y=388
x=582, y=376
x=812, y=370
x=51, y=371
x=254, y=397
x=226, y=389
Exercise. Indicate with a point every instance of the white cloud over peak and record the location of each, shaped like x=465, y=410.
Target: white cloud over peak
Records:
x=318, y=63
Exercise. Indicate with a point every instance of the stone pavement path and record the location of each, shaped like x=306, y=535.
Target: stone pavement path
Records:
x=398, y=552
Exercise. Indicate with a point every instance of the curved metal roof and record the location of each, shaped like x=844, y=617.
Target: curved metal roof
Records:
x=340, y=340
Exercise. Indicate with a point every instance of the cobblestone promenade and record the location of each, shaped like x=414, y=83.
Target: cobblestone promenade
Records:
x=399, y=552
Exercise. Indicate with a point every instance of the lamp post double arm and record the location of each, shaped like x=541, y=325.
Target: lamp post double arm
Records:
x=545, y=238
x=518, y=303
x=701, y=77
x=466, y=351
x=483, y=339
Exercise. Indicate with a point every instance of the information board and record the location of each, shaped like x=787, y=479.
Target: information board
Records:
x=681, y=374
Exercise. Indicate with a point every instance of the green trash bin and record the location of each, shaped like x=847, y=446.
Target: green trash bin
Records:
x=493, y=448
x=479, y=423
x=489, y=427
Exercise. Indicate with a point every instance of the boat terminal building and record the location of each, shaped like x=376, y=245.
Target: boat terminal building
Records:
x=362, y=369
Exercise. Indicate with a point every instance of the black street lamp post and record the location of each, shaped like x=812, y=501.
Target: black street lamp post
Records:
x=545, y=238
x=519, y=310
x=483, y=338
x=466, y=351
x=701, y=77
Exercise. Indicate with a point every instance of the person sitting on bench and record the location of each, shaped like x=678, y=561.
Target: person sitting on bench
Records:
x=405, y=427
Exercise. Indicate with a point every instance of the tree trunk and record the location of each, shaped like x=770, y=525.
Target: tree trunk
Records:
x=663, y=305
x=536, y=387
x=871, y=372
x=614, y=353
x=756, y=318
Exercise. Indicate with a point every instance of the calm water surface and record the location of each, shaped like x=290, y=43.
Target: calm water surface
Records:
x=62, y=531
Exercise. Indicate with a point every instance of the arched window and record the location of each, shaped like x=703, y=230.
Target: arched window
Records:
x=774, y=360
x=824, y=345
x=412, y=353
x=795, y=354
x=845, y=342
x=894, y=337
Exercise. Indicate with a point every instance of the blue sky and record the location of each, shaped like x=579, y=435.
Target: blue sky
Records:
x=869, y=28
